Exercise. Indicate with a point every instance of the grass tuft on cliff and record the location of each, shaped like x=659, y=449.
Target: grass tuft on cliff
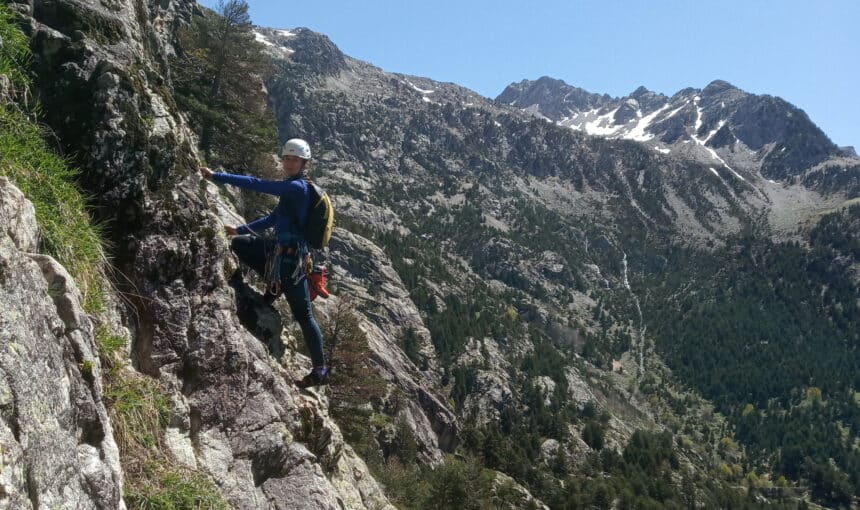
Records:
x=66, y=232
x=175, y=490
x=14, y=52
x=140, y=411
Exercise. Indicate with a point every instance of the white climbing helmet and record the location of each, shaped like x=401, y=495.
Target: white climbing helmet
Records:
x=296, y=147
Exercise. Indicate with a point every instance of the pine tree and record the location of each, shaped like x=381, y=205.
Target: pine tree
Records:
x=219, y=74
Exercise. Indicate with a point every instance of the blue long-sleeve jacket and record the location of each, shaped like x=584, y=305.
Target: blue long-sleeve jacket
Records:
x=290, y=215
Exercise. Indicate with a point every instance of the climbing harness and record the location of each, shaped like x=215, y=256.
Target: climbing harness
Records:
x=274, y=262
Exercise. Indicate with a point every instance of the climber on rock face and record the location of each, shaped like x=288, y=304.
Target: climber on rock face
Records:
x=282, y=265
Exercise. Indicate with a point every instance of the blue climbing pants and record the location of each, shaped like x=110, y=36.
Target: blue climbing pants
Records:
x=252, y=251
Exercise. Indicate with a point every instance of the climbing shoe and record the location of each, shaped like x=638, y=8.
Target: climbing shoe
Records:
x=319, y=376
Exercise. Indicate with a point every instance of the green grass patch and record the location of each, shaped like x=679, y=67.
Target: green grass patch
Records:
x=14, y=51
x=140, y=410
x=66, y=232
x=174, y=490
x=109, y=345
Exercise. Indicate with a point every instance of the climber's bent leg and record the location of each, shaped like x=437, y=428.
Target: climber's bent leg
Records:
x=251, y=251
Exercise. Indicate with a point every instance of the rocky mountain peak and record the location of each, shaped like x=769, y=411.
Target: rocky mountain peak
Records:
x=718, y=86
x=552, y=97
x=318, y=52
x=648, y=100
x=721, y=96
x=686, y=92
x=550, y=82
x=641, y=90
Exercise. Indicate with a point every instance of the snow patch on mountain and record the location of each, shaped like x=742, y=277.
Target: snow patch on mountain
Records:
x=701, y=142
x=415, y=87
x=274, y=49
x=638, y=133
x=714, y=131
x=636, y=129
x=262, y=39
x=603, y=125
x=676, y=110
x=535, y=110
x=739, y=176
x=698, y=124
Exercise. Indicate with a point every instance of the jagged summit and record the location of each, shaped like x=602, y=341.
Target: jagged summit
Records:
x=550, y=97
x=318, y=53
x=648, y=99
x=717, y=86
x=718, y=125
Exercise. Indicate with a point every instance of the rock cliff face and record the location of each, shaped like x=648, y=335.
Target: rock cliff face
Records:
x=389, y=313
x=55, y=436
x=102, y=78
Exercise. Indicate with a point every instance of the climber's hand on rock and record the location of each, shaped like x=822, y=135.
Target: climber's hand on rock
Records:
x=230, y=231
x=206, y=173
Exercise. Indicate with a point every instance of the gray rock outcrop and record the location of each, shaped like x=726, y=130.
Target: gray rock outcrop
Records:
x=389, y=312
x=55, y=436
x=492, y=380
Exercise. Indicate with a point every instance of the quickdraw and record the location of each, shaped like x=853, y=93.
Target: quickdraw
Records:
x=273, y=273
x=317, y=275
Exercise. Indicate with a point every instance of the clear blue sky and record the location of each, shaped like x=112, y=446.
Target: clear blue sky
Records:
x=807, y=52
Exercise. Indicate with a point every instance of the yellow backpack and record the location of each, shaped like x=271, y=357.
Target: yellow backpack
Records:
x=320, y=218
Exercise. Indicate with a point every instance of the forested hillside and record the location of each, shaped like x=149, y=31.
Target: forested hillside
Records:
x=770, y=332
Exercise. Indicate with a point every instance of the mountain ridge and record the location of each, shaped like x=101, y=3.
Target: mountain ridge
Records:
x=728, y=127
